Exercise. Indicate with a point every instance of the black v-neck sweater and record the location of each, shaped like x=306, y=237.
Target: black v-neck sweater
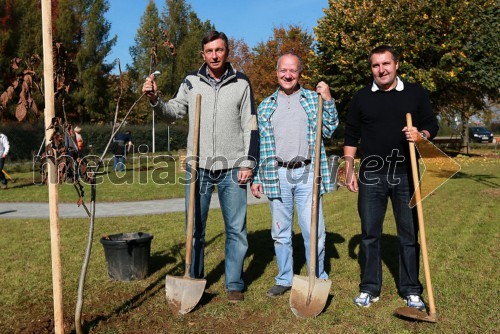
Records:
x=375, y=120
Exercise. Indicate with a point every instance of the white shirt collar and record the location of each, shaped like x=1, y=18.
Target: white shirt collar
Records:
x=399, y=86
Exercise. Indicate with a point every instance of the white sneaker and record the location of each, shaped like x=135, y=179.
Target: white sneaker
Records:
x=415, y=301
x=365, y=299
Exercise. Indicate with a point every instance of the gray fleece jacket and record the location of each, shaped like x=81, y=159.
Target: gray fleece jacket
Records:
x=228, y=124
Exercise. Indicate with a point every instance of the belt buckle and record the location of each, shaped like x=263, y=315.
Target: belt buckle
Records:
x=296, y=164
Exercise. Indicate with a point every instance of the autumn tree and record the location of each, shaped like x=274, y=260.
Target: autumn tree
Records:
x=450, y=47
x=20, y=40
x=261, y=69
x=239, y=54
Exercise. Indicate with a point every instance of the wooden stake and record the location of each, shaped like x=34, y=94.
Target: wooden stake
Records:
x=49, y=112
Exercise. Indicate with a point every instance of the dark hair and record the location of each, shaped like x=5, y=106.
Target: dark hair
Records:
x=382, y=49
x=290, y=53
x=212, y=36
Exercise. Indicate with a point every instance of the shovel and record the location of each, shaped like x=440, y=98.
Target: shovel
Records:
x=309, y=294
x=411, y=312
x=183, y=292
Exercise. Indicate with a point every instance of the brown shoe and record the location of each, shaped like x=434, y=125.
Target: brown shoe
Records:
x=3, y=186
x=235, y=296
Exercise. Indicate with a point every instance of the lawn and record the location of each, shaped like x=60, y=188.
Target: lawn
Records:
x=462, y=233
x=144, y=179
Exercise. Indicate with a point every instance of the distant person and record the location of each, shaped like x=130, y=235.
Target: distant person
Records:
x=228, y=145
x=79, y=139
x=4, y=150
x=122, y=143
x=287, y=127
x=376, y=120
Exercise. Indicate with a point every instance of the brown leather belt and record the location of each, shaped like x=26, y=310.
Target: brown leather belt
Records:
x=293, y=164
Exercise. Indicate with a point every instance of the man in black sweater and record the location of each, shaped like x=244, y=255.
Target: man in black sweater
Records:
x=376, y=119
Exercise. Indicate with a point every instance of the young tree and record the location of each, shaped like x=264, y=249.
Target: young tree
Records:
x=185, y=31
x=145, y=54
x=146, y=44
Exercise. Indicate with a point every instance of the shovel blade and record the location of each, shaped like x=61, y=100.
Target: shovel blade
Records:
x=299, y=303
x=415, y=314
x=183, y=293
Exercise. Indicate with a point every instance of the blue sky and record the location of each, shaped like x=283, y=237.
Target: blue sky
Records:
x=251, y=20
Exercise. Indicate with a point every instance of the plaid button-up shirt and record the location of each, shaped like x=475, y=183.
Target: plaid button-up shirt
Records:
x=267, y=173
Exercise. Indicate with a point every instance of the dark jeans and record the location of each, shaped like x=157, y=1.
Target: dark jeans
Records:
x=3, y=180
x=372, y=206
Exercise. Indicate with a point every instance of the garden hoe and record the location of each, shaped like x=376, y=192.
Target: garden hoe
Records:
x=184, y=293
x=309, y=294
x=411, y=312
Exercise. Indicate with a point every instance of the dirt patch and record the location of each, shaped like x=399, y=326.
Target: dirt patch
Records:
x=495, y=192
x=44, y=325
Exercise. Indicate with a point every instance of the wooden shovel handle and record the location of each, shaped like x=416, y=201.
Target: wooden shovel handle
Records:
x=421, y=226
x=192, y=186
x=313, y=240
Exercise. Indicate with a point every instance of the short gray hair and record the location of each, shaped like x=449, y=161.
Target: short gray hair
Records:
x=290, y=54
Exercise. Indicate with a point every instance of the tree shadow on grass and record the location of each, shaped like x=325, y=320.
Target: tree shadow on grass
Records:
x=261, y=248
x=331, y=252
x=484, y=179
x=157, y=262
x=389, y=253
x=299, y=255
x=260, y=245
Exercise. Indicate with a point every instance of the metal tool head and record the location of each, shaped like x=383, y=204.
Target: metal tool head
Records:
x=183, y=293
x=305, y=303
x=415, y=314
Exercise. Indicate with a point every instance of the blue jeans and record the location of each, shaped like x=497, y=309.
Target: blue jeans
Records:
x=296, y=187
x=119, y=163
x=372, y=206
x=233, y=203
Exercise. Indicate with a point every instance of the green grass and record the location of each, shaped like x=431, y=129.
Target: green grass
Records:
x=462, y=233
x=144, y=180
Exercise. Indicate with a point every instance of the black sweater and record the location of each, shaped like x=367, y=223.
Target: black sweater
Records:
x=376, y=120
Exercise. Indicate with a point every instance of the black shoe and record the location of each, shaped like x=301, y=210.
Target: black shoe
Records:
x=278, y=290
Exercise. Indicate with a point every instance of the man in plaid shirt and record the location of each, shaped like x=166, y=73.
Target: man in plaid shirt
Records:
x=287, y=129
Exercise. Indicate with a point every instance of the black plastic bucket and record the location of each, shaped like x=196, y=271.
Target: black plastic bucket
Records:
x=127, y=255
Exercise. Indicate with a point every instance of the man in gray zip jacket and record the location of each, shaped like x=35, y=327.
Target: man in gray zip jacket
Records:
x=227, y=152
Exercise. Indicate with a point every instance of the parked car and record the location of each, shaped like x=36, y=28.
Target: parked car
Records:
x=479, y=134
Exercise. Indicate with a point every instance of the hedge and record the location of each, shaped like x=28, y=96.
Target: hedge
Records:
x=25, y=139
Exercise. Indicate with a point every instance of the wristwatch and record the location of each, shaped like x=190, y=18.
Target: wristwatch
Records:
x=422, y=133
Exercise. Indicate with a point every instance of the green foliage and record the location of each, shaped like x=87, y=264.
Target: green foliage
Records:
x=25, y=139
x=185, y=31
x=441, y=45
x=92, y=94
x=178, y=25
x=147, y=35
x=98, y=136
